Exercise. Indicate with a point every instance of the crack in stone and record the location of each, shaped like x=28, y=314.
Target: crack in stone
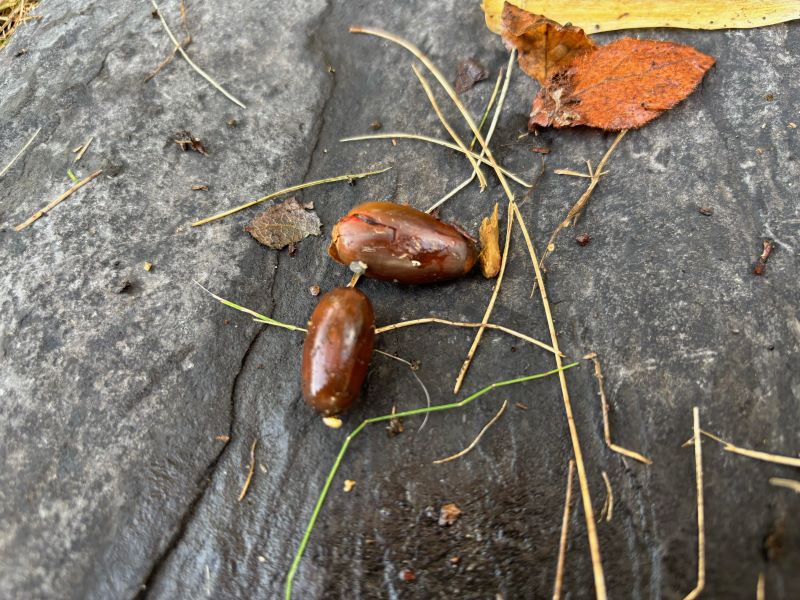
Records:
x=204, y=482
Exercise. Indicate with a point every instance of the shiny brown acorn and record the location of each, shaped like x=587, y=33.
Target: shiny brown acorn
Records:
x=337, y=350
x=402, y=244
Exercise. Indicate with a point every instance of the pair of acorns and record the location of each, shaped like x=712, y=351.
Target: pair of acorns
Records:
x=396, y=243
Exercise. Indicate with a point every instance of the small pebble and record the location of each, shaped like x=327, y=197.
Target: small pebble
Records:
x=314, y=290
x=706, y=211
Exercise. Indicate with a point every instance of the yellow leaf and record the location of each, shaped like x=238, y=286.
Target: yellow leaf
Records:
x=610, y=15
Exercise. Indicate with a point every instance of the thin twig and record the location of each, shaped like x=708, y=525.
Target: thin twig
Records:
x=20, y=153
x=250, y=471
x=489, y=135
x=419, y=381
x=477, y=439
x=83, y=149
x=701, y=534
x=594, y=544
x=575, y=211
x=604, y=405
x=456, y=138
x=202, y=73
x=609, y=502
x=408, y=413
x=40, y=213
x=431, y=140
x=425, y=320
x=562, y=542
x=288, y=190
x=765, y=456
x=488, y=312
x=790, y=484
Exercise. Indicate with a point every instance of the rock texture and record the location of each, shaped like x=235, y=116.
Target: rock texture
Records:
x=116, y=381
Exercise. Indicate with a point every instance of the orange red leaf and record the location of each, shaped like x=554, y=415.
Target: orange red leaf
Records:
x=622, y=85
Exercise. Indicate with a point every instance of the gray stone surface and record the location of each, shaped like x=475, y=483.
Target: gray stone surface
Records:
x=113, y=484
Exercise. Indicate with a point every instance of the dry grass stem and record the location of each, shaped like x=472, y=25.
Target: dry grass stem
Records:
x=475, y=442
x=790, y=484
x=456, y=138
x=608, y=504
x=20, y=153
x=575, y=211
x=288, y=190
x=562, y=542
x=250, y=471
x=200, y=71
x=578, y=174
x=14, y=13
x=594, y=544
x=425, y=320
x=701, y=534
x=765, y=456
x=82, y=150
x=598, y=373
x=40, y=213
x=436, y=141
x=489, y=134
x=354, y=280
x=495, y=292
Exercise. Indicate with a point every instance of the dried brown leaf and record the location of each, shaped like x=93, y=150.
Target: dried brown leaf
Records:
x=449, y=514
x=490, y=245
x=622, y=85
x=187, y=141
x=544, y=46
x=284, y=224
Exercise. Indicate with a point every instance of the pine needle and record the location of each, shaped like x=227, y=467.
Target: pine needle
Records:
x=761, y=592
x=83, y=149
x=456, y=138
x=40, y=213
x=288, y=190
x=604, y=406
x=701, y=534
x=489, y=134
x=431, y=140
x=425, y=320
x=250, y=471
x=789, y=484
x=477, y=439
x=20, y=153
x=608, y=505
x=397, y=415
x=562, y=542
x=765, y=456
x=200, y=71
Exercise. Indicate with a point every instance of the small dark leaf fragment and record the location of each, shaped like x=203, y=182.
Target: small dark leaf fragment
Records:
x=540, y=150
x=284, y=224
x=375, y=125
x=408, y=575
x=583, y=239
x=706, y=211
x=470, y=72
